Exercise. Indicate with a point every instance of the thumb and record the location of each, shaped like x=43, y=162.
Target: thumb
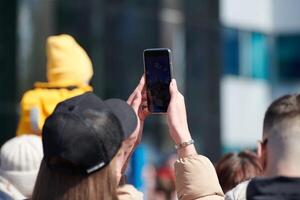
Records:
x=173, y=87
x=136, y=102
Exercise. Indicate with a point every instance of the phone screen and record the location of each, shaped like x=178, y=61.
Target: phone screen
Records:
x=158, y=78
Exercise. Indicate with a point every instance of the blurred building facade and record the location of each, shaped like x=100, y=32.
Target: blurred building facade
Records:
x=231, y=58
x=115, y=33
x=261, y=61
x=8, y=75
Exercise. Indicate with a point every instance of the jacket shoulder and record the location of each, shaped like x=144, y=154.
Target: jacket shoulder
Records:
x=238, y=192
x=128, y=192
x=190, y=173
x=30, y=98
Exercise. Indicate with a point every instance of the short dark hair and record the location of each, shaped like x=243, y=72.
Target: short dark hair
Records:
x=234, y=168
x=284, y=108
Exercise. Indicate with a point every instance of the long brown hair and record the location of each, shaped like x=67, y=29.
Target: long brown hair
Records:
x=53, y=185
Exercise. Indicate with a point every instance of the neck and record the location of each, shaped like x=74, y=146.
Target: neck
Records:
x=282, y=168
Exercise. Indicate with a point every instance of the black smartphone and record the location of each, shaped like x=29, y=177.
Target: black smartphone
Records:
x=158, y=75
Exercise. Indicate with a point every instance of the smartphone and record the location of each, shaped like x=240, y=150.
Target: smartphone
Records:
x=158, y=75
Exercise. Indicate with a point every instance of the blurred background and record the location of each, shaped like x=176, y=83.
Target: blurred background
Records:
x=231, y=59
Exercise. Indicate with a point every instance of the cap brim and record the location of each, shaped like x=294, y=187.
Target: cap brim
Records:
x=125, y=115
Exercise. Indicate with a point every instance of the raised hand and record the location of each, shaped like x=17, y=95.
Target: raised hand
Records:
x=177, y=121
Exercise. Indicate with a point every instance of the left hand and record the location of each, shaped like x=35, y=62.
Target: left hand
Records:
x=137, y=100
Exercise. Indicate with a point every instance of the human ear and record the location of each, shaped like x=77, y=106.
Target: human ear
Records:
x=262, y=154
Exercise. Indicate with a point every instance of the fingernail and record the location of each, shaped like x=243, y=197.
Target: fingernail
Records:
x=174, y=81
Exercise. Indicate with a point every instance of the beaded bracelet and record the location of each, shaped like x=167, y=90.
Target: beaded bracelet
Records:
x=184, y=144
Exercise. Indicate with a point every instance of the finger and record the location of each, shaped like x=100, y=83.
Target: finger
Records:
x=131, y=97
x=139, y=88
x=144, y=95
x=141, y=84
x=144, y=112
x=144, y=106
x=136, y=102
x=173, y=87
x=142, y=80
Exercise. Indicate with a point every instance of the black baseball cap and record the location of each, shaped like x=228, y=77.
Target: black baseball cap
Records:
x=84, y=133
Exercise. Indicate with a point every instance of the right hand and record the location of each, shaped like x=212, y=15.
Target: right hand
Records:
x=177, y=121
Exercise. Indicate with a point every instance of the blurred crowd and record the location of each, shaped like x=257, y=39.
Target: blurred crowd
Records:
x=71, y=144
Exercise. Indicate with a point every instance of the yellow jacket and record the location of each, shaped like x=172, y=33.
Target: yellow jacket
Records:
x=69, y=70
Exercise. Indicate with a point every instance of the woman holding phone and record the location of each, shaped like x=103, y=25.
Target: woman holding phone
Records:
x=87, y=143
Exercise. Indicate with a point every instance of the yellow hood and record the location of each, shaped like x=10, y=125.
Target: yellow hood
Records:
x=68, y=64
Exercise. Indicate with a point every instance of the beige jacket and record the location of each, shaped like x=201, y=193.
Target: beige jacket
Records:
x=196, y=179
x=128, y=192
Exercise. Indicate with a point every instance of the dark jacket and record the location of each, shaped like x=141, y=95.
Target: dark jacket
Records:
x=276, y=188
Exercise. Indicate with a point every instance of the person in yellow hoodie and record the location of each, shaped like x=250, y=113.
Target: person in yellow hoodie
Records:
x=69, y=71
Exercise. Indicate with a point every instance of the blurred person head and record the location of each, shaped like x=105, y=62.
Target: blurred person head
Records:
x=149, y=174
x=170, y=161
x=165, y=179
x=20, y=159
x=67, y=62
x=234, y=168
x=280, y=150
x=83, y=148
x=165, y=183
